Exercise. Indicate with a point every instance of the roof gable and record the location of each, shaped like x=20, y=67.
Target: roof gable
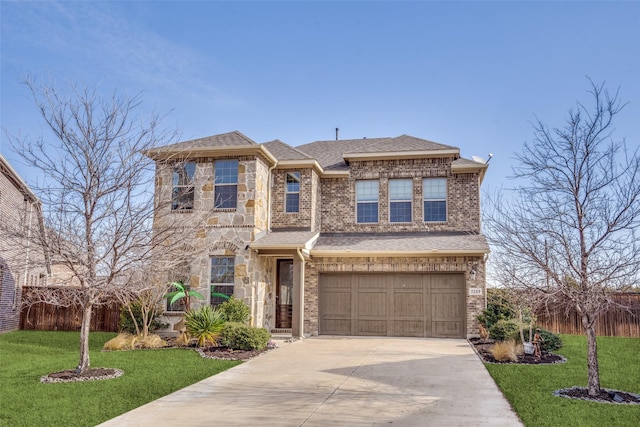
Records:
x=331, y=154
x=230, y=139
x=283, y=151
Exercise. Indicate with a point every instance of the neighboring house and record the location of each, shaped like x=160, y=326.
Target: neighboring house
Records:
x=21, y=260
x=375, y=236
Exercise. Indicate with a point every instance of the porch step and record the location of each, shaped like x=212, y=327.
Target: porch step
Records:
x=281, y=334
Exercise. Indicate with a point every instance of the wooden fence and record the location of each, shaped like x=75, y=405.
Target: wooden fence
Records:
x=46, y=317
x=617, y=322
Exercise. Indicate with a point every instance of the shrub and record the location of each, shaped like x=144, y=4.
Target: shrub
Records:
x=550, y=341
x=239, y=336
x=504, y=351
x=131, y=342
x=234, y=310
x=504, y=330
x=126, y=325
x=499, y=307
x=204, y=324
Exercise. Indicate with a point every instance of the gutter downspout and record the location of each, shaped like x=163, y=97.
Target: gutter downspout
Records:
x=486, y=258
x=300, y=318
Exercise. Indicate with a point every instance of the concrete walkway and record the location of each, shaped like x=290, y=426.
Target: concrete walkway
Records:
x=340, y=381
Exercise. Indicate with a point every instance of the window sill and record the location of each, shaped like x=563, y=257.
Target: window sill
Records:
x=182, y=211
x=224, y=209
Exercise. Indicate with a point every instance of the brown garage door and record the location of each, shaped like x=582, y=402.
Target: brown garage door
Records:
x=397, y=305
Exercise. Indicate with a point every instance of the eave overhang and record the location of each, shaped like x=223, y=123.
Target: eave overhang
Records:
x=392, y=155
x=415, y=253
x=182, y=153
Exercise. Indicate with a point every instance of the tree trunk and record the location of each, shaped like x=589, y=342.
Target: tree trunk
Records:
x=83, y=364
x=592, y=355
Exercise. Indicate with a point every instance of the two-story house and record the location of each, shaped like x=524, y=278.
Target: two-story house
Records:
x=374, y=236
x=21, y=257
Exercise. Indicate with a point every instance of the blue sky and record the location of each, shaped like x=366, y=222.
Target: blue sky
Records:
x=468, y=74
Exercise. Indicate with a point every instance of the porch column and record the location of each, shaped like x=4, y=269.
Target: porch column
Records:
x=297, y=321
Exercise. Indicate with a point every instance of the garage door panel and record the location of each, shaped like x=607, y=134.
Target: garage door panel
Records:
x=407, y=304
x=335, y=305
x=447, y=329
x=372, y=327
x=408, y=328
x=372, y=304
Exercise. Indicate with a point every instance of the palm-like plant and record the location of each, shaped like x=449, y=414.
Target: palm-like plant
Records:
x=182, y=292
x=205, y=324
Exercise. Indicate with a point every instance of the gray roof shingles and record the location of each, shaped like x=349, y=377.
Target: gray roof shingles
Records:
x=284, y=238
x=404, y=242
x=283, y=151
x=230, y=139
x=330, y=154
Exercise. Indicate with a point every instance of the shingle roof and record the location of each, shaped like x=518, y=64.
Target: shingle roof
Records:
x=283, y=151
x=281, y=239
x=440, y=242
x=329, y=154
x=230, y=139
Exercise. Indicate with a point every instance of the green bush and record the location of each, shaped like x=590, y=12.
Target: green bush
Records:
x=234, y=310
x=504, y=330
x=550, y=341
x=239, y=336
x=126, y=324
x=204, y=324
x=498, y=308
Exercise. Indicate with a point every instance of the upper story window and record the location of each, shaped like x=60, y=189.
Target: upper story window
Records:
x=400, y=197
x=182, y=196
x=435, y=199
x=226, y=184
x=366, y=201
x=222, y=278
x=292, y=192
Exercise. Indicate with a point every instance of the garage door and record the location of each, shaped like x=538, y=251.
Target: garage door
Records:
x=396, y=305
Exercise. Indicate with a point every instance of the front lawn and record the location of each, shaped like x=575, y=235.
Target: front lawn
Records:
x=148, y=374
x=529, y=388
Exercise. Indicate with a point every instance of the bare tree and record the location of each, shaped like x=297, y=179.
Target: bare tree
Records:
x=97, y=197
x=569, y=226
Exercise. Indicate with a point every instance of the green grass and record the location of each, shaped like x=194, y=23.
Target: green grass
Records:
x=25, y=356
x=529, y=388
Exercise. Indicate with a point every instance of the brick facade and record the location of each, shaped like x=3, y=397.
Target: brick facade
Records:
x=463, y=197
x=327, y=204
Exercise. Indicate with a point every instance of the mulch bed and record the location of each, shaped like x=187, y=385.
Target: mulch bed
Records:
x=225, y=353
x=605, y=396
x=91, y=374
x=483, y=348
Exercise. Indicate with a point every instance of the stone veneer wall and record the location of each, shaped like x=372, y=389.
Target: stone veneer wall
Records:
x=222, y=232
x=475, y=303
x=338, y=206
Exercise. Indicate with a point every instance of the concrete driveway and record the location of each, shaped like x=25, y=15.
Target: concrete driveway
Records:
x=340, y=381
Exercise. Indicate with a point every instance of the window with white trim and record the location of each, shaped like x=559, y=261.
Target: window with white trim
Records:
x=226, y=184
x=434, y=191
x=183, y=186
x=366, y=201
x=222, y=278
x=400, y=200
x=292, y=192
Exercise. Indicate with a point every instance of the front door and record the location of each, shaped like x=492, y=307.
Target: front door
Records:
x=284, y=294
